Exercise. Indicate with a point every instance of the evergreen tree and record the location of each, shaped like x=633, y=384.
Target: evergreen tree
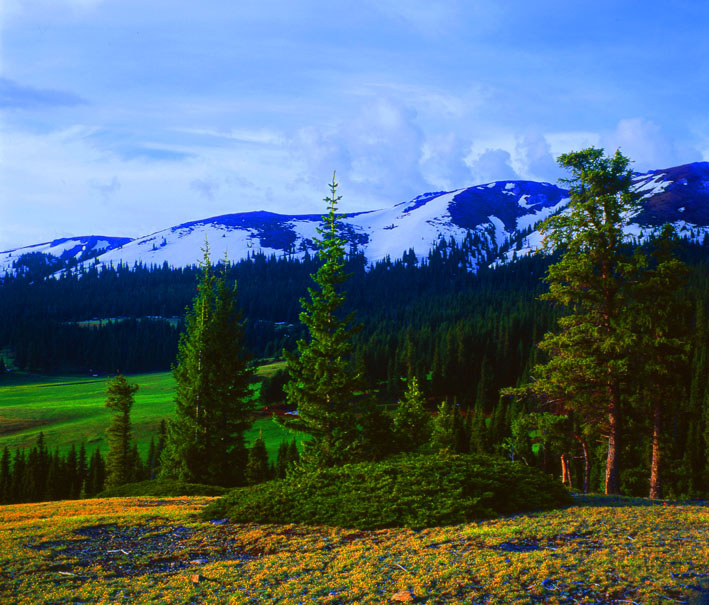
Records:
x=411, y=422
x=97, y=474
x=206, y=439
x=323, y=380
x=589, y=355
x=257, y=469
x=82, y=470
x=119, y=462
x=5, y=476
x=282, y=461
x=447, y=428
x=293, y=454
x=660, y=315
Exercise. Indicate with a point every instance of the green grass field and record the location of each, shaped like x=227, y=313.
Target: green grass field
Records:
x=70, y=409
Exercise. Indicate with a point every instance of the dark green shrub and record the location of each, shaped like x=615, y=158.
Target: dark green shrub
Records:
x=164, y=489
x=413, y=490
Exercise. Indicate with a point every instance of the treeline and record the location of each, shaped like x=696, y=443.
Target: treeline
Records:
x=39, y=475
x=465, y=335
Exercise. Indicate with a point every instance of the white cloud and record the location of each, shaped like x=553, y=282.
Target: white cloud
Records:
x=534, y=153
x=647, y=145
x=493, y=165
x=376, y=153
x=443, y=162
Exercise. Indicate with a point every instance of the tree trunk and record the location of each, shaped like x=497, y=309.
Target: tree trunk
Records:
x=655, y=481
x=613, y=460
x=586, y=463
x=566, y=470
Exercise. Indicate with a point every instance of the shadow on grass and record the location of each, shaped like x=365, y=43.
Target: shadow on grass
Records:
x=623, y=501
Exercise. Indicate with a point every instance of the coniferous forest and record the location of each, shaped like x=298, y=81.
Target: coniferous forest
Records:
x=461, y=337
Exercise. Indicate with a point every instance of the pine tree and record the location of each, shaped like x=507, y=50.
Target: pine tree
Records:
x=82, y=470
x=257, y=469
x=660, y=317
x=119, y=461
x=411, y=422
x=206, y=438
x=293, y=454
x=5, y=476
x=443, y=434
x=97, y=474
x=282, y=460
x=323, y=380
x=589, y=355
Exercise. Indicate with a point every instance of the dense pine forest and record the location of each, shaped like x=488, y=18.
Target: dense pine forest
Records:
x=464, y=335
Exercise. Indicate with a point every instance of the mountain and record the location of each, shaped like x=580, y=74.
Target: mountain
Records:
x=495, y=220
x=77, y=249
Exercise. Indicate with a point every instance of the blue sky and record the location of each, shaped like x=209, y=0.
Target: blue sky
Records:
x=122, y=117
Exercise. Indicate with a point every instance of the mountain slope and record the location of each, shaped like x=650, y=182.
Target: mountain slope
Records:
x=489, y=216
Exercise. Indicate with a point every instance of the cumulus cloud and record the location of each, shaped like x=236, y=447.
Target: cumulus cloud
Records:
x=443, y=162
x=493, y=165
x=376, y=153
x=647, y=145
x=534, y=154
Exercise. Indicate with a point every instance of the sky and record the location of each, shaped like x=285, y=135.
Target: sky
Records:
x=124, y=117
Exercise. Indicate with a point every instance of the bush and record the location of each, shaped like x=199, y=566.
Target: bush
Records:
x=164, y=489
x=413, y=490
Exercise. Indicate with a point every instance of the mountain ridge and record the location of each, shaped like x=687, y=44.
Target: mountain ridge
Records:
x=494, y=216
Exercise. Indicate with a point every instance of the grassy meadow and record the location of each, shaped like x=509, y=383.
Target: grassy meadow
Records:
x=599, y=550
x=71, y=409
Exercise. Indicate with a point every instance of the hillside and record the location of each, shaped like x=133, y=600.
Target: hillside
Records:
x=599, y=551
x=494, y=216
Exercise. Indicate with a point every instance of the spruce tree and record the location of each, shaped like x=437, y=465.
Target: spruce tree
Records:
x=590, y=353
x=660, y=316
x=282, y=461
x=411, y=422
x=257, y=469
x=205, y=441
x=119, y=461
x=5, y=476
x=323, y=379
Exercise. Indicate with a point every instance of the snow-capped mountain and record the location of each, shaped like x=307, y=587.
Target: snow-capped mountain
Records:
x=490, y=215
x=77, y=248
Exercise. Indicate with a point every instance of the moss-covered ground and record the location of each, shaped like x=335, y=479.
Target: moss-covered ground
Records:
x=157, y=550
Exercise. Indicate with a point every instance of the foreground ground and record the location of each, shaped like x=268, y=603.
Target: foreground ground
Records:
x=157, y=550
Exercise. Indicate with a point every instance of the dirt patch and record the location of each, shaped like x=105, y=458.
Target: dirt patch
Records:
x=136, y=551
x=15, y=425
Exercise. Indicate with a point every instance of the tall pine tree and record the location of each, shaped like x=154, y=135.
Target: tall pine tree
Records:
x=205, y=441
x=661, y=316
x=589, y=354
x=119, y=461
x=323, y=379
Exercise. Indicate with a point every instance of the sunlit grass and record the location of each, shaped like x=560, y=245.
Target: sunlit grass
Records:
x=70, y=409
x=583, y=554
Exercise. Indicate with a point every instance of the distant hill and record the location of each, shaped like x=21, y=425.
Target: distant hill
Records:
x=498, y=218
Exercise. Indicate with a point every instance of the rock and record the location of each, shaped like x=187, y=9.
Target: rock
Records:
x=403, y=596
x=196, y=578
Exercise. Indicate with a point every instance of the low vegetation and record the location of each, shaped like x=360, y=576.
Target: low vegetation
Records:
x=157, y=550
x=411, y=491
x=162, y=489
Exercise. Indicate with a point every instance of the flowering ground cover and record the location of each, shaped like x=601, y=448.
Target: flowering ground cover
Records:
x=157, y=550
